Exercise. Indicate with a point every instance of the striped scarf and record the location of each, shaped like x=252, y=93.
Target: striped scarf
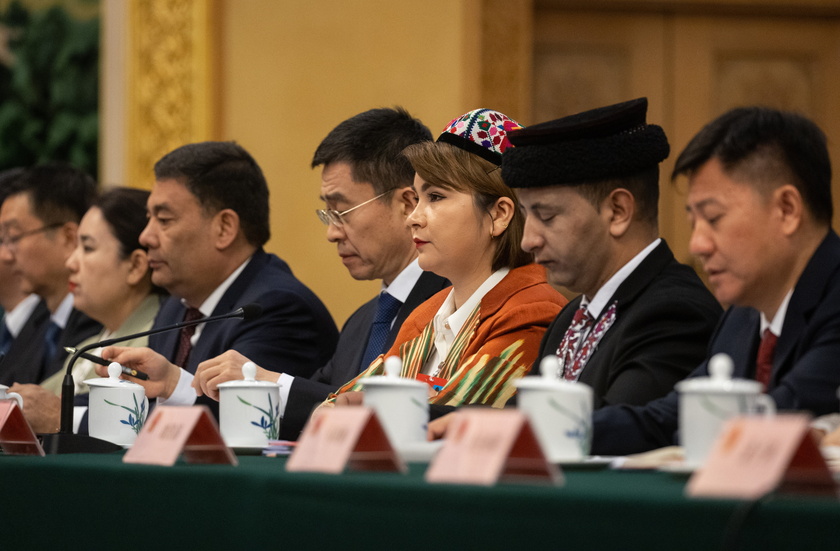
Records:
x=472, y=380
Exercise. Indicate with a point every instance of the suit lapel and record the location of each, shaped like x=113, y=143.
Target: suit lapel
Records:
x=427, y=285
x=807, y=294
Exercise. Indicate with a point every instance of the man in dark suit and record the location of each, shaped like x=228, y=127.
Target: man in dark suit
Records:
x=759, y=201
x=366, y=185
x=208, y=221
x=38, y=221
x=589, y=184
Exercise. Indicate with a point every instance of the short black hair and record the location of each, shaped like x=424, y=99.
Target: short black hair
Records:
x=222, y=175
x=58, y=192
x=766, y=147
x=643, y=185
x=371, y=143
x=7, y=180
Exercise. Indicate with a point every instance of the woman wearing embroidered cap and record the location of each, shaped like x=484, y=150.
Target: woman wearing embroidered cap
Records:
x=471, y=341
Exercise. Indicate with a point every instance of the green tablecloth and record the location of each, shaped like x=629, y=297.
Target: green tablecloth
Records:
x=97, y=502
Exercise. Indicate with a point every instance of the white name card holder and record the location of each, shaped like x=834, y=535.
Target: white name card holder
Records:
x=753, y=456
x=16, y=436
x=172, y=431
x=342, y=438
x=485, y=446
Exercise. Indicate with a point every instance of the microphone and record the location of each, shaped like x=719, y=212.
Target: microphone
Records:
x=248, y=312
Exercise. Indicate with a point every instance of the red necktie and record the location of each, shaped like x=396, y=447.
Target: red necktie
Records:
x=185, y=337
x=764, y=361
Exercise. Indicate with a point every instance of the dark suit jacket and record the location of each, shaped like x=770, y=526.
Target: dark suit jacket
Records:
x=23, y=362
x=805, y=370
x=305, y=393
x=665, y=317
x=295, y=333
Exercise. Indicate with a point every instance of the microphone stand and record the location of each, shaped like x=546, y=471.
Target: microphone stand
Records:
x=65, y=440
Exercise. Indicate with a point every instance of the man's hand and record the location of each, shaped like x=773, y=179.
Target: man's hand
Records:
x=225, y=367
x=438, y=427
x=354, y=398
x=41, y=407
x=830, y=439
x=163, y=375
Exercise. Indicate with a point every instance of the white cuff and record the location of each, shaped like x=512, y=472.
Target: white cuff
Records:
x=184, y=394
x=78, y=413
x=285, y=382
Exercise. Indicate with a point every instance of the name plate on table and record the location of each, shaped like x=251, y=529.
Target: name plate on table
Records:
x=174, y=430
x=344, y=437
x=753, y=456
x=16, y=436
x=485, y=446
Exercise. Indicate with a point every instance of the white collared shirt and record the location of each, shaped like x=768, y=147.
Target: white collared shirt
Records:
x=448, y=321
x=62, y=313
x=184, y=394
x=775, y=326
x=17, y=317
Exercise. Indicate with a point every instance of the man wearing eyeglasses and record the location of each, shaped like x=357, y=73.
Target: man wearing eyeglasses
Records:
x=38, y=223
x=366, y=188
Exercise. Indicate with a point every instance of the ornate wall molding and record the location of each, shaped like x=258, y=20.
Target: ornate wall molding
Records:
x=170, y=94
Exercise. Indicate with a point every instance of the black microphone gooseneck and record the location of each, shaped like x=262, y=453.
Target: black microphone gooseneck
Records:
x=68, y=386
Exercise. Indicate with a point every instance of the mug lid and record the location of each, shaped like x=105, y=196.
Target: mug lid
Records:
x=720, y=379
x=249, y=373
x=112, y=380
x=548, y=379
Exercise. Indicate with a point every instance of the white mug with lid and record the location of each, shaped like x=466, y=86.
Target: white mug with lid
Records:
x=6, y=395
x=560, y=412
x=249, y=410
x=401, y=404
x=117, y=408
x=706, y=403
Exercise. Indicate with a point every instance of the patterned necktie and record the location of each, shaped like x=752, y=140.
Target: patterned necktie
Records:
x=764, y=361
x=574, y=360
x=185, y=337
x=581, y=322
x=386, y=310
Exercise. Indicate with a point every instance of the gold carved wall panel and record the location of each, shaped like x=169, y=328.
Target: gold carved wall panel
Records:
x=170, y=94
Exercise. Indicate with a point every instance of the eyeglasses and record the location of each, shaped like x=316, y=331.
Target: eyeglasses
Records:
x=11, y=241
x=329, y=216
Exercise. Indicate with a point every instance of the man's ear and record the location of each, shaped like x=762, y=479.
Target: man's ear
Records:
x=67, y=234
x=225, y=227
x=138, y=266
x=790, y=206
x=618, y=208
x=407, y=199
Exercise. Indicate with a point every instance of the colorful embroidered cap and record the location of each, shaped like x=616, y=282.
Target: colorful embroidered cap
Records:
x=483, y=132
x=596, y=145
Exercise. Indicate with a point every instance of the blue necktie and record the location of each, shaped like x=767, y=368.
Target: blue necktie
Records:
x=6, y=340
x=386, y=311
x=51, y=342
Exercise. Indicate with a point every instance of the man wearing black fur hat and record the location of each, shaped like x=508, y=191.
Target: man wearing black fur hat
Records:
x=589, y=185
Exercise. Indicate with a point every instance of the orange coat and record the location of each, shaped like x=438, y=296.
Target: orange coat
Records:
x=497, y=344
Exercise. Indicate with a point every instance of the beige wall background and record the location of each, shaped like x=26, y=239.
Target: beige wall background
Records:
x=293, y=70
x=278, y=75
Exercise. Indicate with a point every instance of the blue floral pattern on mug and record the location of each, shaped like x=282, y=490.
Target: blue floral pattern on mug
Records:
x=136, y=416
x=269, y=420
x=583, y=426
